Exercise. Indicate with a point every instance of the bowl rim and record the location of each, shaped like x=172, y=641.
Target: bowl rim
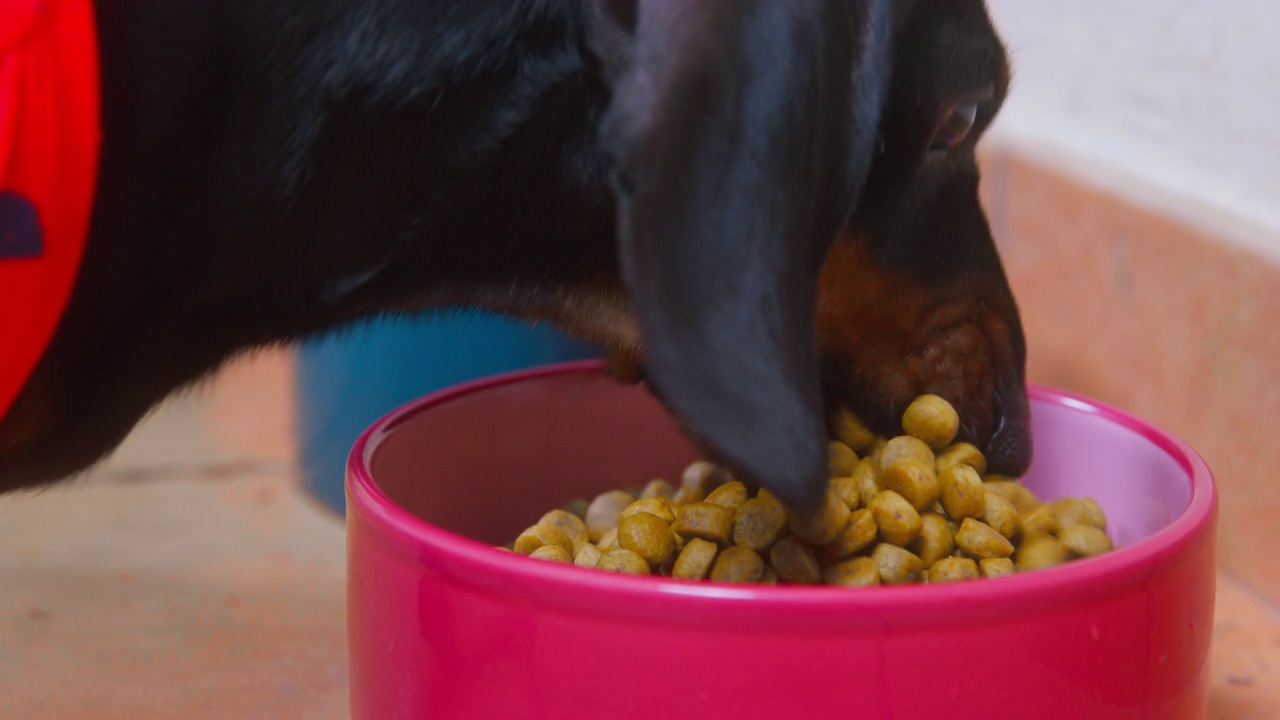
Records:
x=585, y=590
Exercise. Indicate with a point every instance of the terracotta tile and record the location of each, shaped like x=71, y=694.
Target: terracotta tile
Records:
x=1245, y=659
x=1125, y=303
x=172, y=598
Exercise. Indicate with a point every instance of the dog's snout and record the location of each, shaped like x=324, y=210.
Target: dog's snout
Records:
x=1009, y=451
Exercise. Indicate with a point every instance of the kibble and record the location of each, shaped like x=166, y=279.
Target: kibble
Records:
x=936, y=540
x=961, y=453
x=759, y=522
x=794, y=562
x=932, y=419
x=1000, y=514
x=915, y=480
x=897, y=564
x=659, y=507
x=738, y=565
x=1084, y=540
x=962, y=492
x=604, y=511
x=857, y=534
x=695, y=560
x=840, y=459
x=647, y=536
x=730, y=495
x=624, y=561
x=951, y=569
x=821, y=526
x=919, y=507
x=705, y=520
x=1038, y=552
x=898, y=521
x=981, y=540
x=855, y=572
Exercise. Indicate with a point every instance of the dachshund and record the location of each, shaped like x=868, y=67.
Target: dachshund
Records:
x=771, y=208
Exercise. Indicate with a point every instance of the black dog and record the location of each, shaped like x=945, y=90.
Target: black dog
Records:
x=771, y=205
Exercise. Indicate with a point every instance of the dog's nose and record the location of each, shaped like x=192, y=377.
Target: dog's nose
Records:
x=1009, y=450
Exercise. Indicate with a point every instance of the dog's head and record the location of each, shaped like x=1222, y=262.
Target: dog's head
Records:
x=799, y=222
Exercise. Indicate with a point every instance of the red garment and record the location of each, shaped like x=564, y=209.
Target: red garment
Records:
x=49, y=136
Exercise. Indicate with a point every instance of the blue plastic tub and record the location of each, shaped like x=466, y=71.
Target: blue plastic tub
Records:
x=349, y=379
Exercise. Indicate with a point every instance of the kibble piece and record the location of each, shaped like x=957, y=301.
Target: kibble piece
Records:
x=913, y=480
x=554, y=553
x=729, y=495
x=961, y=453
x=995, y=567
x=704, y=476
x=694, y=562
x=541, y=535
x=657, y=488
x=706, y=521
x=904, y=446
x=609, y=540
x=867, y=478
x=1040, y=551
x=646, y=536
x=602, y=514
x=737, y=564
x=687, y=495
x=855, y=535
x=936, y=540
x=820, y=527
x=849, y=430
x=759, y=522
x=623, y=561
x=1000, y=514
x=840, y=459
x=571, y=525
x=1041, y=521
x=854, y=572
x=1022, y=498
x=981, y=540
x=1084, y=540
x=952, y=569
x=588, y=556
x=962, y=492
x=1097, y=517
x=846, y=488
x=896, y=564
x=898, y=521
x=769, y=576
x=794, y=562
x=1070, y=512
x=873, y=452
x=578, y=506
x=932, y=419
x=658, y=507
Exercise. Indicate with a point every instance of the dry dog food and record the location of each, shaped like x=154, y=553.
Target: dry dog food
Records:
x=914, y=508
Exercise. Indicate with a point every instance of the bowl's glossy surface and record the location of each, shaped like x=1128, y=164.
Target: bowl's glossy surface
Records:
x=443, y=626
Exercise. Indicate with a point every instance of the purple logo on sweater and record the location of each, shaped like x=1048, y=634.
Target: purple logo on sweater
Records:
x=21, y=237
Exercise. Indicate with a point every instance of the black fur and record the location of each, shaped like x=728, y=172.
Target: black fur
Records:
x=273, y=169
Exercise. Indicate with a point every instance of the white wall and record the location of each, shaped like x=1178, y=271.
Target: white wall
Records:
x=1185, y=93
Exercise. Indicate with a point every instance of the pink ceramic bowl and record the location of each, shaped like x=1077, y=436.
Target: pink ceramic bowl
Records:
x=443, y=626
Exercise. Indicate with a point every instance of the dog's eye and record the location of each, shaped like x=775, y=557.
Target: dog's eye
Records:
x=954, y=127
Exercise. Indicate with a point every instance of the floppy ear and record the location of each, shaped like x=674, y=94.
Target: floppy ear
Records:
x=740, y=132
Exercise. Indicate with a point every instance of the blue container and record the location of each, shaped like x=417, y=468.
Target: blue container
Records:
x=350, y=378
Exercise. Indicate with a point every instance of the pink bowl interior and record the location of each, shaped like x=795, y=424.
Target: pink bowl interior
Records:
x=517, y=449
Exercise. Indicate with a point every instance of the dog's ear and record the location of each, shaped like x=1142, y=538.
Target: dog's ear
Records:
x=740, y=132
